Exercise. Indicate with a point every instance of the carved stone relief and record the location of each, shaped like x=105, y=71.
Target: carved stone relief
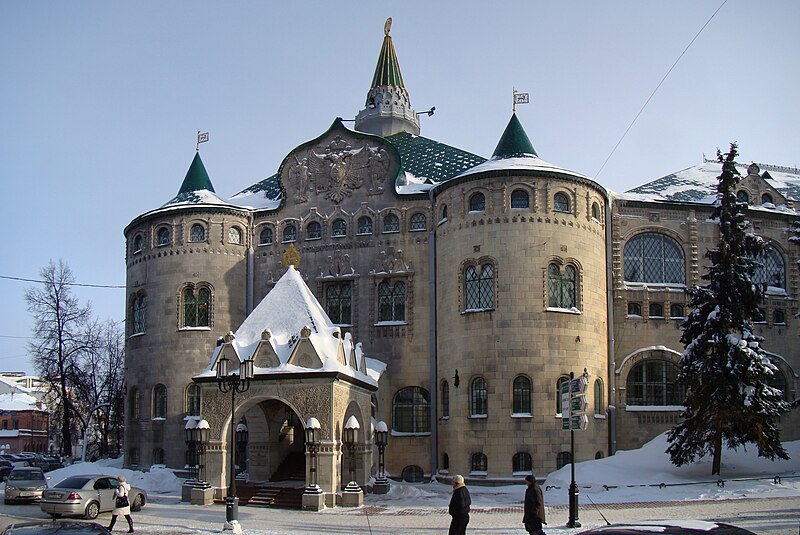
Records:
x=339, y=264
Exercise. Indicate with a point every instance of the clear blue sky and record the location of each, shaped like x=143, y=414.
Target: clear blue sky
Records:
x=100, y=101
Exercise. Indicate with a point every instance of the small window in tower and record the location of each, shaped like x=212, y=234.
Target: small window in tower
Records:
x=234, y=236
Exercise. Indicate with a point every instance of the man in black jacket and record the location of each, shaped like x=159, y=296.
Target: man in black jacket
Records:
x=534, y=507
x=459, y=507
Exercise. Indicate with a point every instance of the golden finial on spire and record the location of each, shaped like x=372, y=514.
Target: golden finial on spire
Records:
x=387, y=27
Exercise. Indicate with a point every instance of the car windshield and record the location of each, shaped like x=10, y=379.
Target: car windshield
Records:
x=25, y=475
x=73, y=482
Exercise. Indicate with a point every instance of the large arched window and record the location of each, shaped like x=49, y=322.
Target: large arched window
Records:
x=522, y=463
x=479, y=398
x=778, y=381
x=520, y=199
x=392, y=301
x=339, y=302
x=193, y=400
x=445, y=400
x=139, y=314
x=479, y=462
x=654, y=258
x=562, y=288
x=479, y=287
x=160, y=401
x=770, y=270
x=196, y=305
x=134, y=399
x=477, y=202
x=653, y=382
x=411, y=410
x=521, y=395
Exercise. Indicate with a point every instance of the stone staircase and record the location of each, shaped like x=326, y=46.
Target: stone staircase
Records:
x=272, y=496
x=293, y=468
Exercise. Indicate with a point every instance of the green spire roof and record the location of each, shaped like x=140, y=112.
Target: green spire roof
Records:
x=514, y=142
x=196, y=177
x=387, y=72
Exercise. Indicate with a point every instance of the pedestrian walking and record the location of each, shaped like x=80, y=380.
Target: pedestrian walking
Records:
x=459, y=507
x=534, y=507
x=122, y=505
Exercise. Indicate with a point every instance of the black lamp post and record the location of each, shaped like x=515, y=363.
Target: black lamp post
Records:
x=201, y=433
x=233, y=382
x=351, y=428
x=381, y=440
x=312, y=443
x=241, y=443
x=189, y=432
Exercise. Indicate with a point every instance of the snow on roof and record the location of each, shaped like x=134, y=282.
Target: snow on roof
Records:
x=202, y=196
x=532, y=163
x=288, y=315
x=408, y=184
x=256, y=199
x=20, y=402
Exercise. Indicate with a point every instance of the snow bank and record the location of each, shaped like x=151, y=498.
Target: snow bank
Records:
x=158, y=480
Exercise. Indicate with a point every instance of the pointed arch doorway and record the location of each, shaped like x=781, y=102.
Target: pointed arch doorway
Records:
x=275, y=450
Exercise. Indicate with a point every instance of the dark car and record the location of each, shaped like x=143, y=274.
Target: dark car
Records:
x=48, y=528
x=5, y=468
x=669, y=527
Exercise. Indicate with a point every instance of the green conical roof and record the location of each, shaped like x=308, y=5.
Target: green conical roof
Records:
x=514, y=142
x=196, y=177
x=387, y=72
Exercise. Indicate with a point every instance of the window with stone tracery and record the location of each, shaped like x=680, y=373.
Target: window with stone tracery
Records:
x=479, y=287
x=562, y=287
x=339, y=302
x=196, y=306
x=392, y=301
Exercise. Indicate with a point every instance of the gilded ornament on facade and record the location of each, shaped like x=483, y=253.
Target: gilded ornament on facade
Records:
x=291, y=257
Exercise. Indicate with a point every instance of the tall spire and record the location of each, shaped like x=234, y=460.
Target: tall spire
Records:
x=388, y=108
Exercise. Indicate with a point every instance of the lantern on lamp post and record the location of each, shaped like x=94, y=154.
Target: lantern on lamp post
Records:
x=381, y=440
x=352, y=496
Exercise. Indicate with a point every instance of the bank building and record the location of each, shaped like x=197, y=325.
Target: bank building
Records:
x=378, y=275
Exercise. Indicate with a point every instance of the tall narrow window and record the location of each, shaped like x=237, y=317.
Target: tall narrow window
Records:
x=160, y=401
x=522, y=395
x=477, y=203
x=339, y=302
x=562, y=288
x=364, y=225
x=196, y=305
x=339, y=228
x=391, y=301
x=479, y=399
x=158, y=456
x=479, y=287
x=391, y=223
x=193, y=400
x=197, y=234
x=559, y=383
x=599, y=397
x=139, y=314
x=563, y=459
x=596, y=211
x=135, y=403
x=137, y=243
x=520, y=199
x=445, y=400
x=411, y=410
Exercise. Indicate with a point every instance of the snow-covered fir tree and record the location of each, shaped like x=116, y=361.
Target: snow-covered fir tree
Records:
x=723, y=367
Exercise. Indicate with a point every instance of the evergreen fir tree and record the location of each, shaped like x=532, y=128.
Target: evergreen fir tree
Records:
x=724, y=368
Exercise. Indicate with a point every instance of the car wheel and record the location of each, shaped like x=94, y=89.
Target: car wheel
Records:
x=138, y=503
x=92, y=510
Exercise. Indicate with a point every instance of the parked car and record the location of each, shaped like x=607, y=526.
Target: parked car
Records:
x=54, y=527
x=25, y=484
x=669, y=527
x=87, y=496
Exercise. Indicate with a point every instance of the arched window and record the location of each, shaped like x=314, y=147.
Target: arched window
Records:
x=139, y=314
x=653, y=382
x=445, y=461
x=391, y=223
x=634, y=309
x=676, y=311
x=196, y=305
x=598, y=455
x=477, y=202
x=563, y=459
x=162, y=236
x=778, y=381
x=193, y=400
x=596, y=211
x=766, y=198
x=742, y=196
x=479, y=287
x=137, y=243
x=339, y=302
x=364, y=225
x=560, y=202
x=778, y=317
x=599, y=397
x=521, y=395
x=522, y=463
x=289, y=234
x=479, y=463
x=197, y=233
x=445, y=400
x=235, y=235
x=411, y=410
x=770, y=270
x=160, y=401
x=655, y=258
x=418, y=222
x=559, y=383
x=158, y=456
x=479, y=399
x=656, y=310
x=135, y=403
x=520, y=199
x=562, y=289
x=314, y=231
x=391, y=301
x=265, y=237
x=444, y=212
x=413, y=474
x=339, y=228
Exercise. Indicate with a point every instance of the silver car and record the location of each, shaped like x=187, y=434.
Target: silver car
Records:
x=87, y=496
x=25, y=484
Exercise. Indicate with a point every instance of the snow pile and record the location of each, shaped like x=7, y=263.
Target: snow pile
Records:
x=158, y=480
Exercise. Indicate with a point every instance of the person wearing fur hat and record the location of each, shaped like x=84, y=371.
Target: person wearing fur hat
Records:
x=534, y=507
x=122, y=505
x=459, y=507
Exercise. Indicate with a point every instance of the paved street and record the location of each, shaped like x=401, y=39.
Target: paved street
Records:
x=772, y=516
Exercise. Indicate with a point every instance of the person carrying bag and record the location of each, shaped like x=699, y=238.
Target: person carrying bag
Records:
x=122, y=506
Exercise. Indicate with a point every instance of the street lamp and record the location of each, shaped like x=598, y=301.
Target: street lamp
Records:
x=381, y=440
x=233, y=382
x=189, y=431
x=202, y=432
x=312, y=443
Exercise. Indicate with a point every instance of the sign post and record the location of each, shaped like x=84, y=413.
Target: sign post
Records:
x=573, y=408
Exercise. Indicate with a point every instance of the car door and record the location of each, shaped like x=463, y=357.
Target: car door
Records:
x=105, y=487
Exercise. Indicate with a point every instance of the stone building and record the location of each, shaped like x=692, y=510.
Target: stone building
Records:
x=473, y=286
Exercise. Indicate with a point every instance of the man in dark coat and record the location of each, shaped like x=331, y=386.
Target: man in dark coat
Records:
x=459, y=507
x=534, y=507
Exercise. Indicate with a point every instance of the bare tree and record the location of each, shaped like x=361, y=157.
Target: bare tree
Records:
x=61, y=336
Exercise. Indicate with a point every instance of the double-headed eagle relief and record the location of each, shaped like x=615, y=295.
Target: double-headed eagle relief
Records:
x=337, y=169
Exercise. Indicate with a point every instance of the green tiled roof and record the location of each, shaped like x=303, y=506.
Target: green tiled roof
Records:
x=514, y=142
x=423, y=157
x=196, y=177
x=270, y=187
x=387, y=72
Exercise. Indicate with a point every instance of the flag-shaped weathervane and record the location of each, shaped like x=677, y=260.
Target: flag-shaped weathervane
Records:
x=202, y=137
x=520, y=98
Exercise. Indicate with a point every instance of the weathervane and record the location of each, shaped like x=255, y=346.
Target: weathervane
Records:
x=519, y=98
x=201, y=138
x=387, y=27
